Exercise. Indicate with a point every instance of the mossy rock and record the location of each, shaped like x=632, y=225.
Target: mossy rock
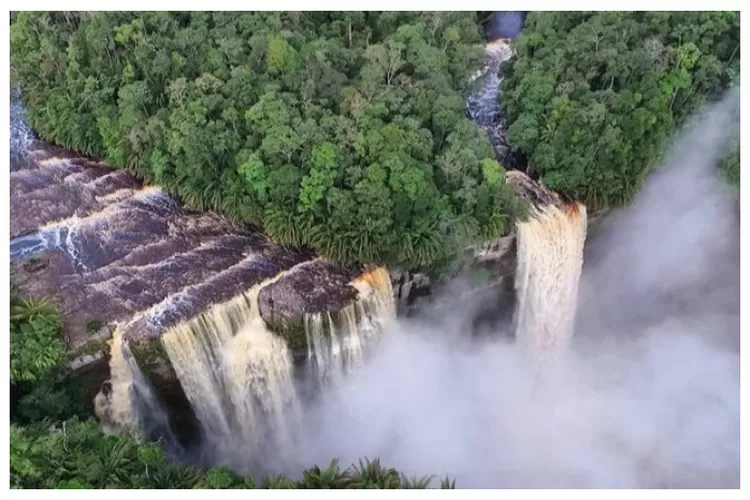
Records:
x=91, y=348
x=153, y=361
x=293, y=333
x=34, y=264
x=94, y=326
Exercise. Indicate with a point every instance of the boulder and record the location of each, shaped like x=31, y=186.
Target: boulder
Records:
x=318, y=286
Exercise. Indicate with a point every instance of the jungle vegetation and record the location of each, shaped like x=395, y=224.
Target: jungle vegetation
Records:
x=346, y=131
x=75, y=454
x=343, y=131
x=37, y=383
x=593, y=97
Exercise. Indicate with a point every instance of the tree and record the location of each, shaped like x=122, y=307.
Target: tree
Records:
x=35, y=345
x=592, y=98
x=274, y=118
x=76, y=454
x=37, y=357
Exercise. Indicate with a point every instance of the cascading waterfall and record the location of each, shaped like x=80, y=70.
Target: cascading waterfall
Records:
x=550, y=244
x=118, y=246
x=130, y=404
x=550, y=260
x=337, y=343
x=238, y=377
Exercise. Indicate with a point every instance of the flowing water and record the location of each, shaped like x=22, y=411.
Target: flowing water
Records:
x=338, y=342
x=107, y=248
x=550, y=260
x=114, y=250
x=129, y=402
x=238, y=378
x=483, y=106
x=133, y=255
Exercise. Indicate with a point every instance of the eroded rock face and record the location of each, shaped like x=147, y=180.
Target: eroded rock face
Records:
x=408, y=288
x=535, y=193
x=319, y=286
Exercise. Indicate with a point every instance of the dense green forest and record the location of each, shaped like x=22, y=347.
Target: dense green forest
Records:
x=56, y=443
x=593, y=98
x=344, y=131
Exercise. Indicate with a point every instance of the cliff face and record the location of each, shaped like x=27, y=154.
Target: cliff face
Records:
x=484, y=292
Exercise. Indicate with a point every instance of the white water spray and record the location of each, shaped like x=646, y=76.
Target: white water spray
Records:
x=237, y=376
x=656, y=407
x=339, y=342
x=131, y=405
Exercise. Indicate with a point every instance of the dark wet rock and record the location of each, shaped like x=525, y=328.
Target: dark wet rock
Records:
x=56, y=185
x=505, y=24
x=408, y=288
x=536, y=193
x=85, y=362
x=317, y=286
x=35, y=264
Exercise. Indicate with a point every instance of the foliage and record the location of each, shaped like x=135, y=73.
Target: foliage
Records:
x=35, y=339
x=593, y=97
x=94, y=325
x=50, y=398
x=344, y=131
x=76, y=454
x=36, y=355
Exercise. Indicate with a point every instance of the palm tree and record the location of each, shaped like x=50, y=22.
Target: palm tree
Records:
x=331, y=478
x=173, y=475
x=416, y=483
x=29, y=310
x=277, y=482
x=448, y=484
x=372, y=474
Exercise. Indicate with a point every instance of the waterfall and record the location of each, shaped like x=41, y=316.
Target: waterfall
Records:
x=238, y=378
x=338, y=342
x=550, y=260
x=130, y=404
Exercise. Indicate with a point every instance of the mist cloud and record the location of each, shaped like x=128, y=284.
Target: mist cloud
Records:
x=648, y=396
